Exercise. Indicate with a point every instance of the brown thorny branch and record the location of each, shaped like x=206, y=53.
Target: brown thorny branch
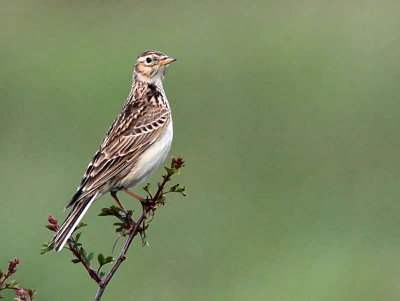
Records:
x=128, y=227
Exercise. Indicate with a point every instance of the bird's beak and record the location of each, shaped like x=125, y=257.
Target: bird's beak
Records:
x=166, y=61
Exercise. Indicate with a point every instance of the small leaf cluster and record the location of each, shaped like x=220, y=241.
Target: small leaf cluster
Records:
x=174, y=169
x=85, y=257
x=177, y=188
x=46, y=247
x=125, y=218
x=125, y=225
x=77, y=246
x=52, y=226
x=102, y=262
x=81, y=255
x=177, y=163
x=23, y=294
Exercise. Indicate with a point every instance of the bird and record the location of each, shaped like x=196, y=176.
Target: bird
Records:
x=135, y=145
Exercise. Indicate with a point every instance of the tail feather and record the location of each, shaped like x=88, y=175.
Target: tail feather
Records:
x=71, y=222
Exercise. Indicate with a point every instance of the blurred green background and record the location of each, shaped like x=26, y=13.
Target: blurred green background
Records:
x=287, y=113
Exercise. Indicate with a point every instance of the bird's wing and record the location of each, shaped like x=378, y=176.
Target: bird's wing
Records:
x=132, y=132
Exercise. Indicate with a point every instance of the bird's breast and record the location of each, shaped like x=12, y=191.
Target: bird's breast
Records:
x=150, y=160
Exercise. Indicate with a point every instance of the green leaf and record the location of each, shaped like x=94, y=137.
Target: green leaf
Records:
x=147, y=189
x=171, y=171
x=109, y=259
x=75, y=260
x=78, y=235
x=113, y=210
x=90, y=257
x=80, y=225
x=179, y=189
x=100, y=259
x=122, y=231
x=46, y=247
x=82, y=251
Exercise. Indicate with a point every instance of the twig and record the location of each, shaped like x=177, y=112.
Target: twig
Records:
x=127, y=227
x=24, y=294
x=91, y=272
x=53, y=226
x=122, y=256
x=149, y=206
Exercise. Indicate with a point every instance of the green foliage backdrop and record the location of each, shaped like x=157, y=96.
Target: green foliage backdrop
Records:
x=287, y=113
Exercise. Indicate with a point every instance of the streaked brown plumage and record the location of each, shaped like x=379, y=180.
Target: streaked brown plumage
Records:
x=134, y=146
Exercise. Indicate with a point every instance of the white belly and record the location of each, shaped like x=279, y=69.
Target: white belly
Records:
x=150, y=160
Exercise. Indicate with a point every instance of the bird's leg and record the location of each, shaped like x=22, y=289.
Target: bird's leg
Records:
x=145, y=202
x=142, y=200
x=114, y=195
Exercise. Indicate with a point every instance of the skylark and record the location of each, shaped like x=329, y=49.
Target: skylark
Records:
x=136, y=144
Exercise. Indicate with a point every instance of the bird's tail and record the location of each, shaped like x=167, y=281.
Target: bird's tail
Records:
x=71, y=222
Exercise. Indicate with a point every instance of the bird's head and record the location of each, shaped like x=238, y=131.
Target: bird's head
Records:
x=150, y=66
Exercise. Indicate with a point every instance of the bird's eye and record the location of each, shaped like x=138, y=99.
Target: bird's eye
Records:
x=148, y=60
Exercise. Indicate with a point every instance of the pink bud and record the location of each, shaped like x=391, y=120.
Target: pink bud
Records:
x=15, y=261
x=20, y=293
x=52, y=220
